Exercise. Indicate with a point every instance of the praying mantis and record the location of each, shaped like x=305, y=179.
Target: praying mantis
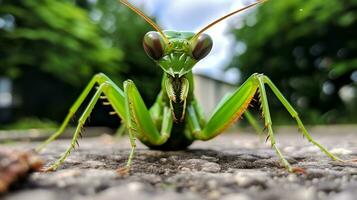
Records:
x=176, y=119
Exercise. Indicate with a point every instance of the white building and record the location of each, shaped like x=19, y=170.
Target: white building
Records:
x=209, y=91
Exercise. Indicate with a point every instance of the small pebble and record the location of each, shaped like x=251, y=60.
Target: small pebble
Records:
x=94, y=164
x=236, y=197
x=292, y=177
x=209, y=158
x=135, y=186
x=212, y=184
x=200, y=165
x=211, y=167
x=215, y=194
x=341, y=151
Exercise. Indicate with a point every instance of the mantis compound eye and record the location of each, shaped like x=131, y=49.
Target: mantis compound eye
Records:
x=153, y=45
x=202, y=46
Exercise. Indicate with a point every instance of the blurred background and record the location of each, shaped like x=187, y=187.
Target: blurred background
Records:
x=49, y=50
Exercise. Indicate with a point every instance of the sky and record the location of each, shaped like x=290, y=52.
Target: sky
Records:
x=193, y=15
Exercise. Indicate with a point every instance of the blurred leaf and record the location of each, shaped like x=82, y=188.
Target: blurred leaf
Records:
x=309, y=49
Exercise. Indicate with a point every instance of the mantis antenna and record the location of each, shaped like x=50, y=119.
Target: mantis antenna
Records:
x=147, y=19
x=224, y=17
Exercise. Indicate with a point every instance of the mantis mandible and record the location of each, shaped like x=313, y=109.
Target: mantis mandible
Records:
x=176, y=119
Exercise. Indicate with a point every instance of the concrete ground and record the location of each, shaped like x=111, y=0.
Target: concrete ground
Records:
x=232, y=166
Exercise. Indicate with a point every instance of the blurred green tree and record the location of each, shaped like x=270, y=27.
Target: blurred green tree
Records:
x=125, y=29
x=52, y=48
x=55, y=37
x=309, y=49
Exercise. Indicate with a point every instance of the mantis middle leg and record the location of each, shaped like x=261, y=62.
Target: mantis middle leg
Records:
x=235, y=106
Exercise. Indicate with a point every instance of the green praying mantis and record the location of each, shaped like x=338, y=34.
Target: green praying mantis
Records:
x=176, y=119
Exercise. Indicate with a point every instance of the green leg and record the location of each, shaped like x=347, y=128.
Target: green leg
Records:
x=97, y=79
x=140, y=124
x=236, y=104
x=141, y=121
x=228, y=111
x=156, y=111
x=253, y=123
x=199, y=112
x=121, y=131
x=200, y=117
x=246, y=114
x=233, y=108
x=130, y=106
x=268, y=123
x=114, y=96
x=295, y=115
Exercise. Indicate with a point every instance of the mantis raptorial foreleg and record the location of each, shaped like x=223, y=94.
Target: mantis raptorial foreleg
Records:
x=234, y=106
x=248, y=116
x=129, y=106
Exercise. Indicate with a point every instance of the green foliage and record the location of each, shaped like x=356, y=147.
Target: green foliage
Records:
x=55, y=37
x=30, y=123
x=309, y=49
x=52, y=48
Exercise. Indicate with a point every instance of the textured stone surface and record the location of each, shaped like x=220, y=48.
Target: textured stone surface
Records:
x=232, y=166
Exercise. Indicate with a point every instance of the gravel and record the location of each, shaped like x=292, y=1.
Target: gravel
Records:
x=232, y=166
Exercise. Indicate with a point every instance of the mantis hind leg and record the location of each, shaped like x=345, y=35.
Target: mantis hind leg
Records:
x=235, y=106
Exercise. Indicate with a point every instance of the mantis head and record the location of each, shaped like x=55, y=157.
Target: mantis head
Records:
x=177, y=52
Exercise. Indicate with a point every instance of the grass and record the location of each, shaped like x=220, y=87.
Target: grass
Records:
x=30, y=123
